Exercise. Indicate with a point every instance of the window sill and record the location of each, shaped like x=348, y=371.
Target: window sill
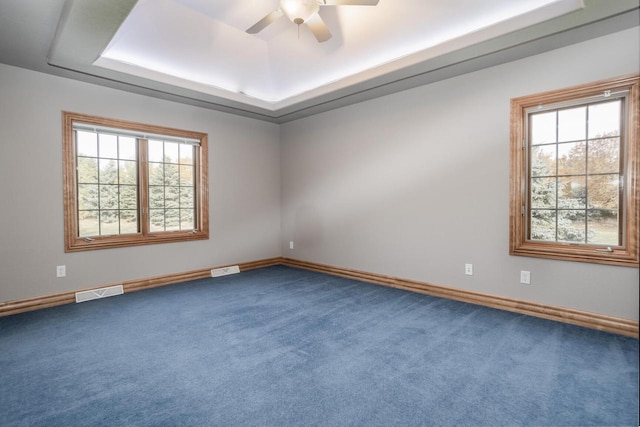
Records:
x=569, y=252
x=80, y=244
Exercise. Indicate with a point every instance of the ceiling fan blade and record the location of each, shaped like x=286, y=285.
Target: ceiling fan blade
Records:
x=264, y=22
x=318, y=28
x=350, y=2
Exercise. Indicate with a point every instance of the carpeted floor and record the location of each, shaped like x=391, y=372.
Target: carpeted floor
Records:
x=281, y=346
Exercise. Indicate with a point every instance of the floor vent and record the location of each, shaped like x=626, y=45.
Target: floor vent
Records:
x=99, y=293
x=217, y=272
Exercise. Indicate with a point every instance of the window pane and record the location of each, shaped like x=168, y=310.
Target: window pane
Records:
x=604, y=119
x=171, y=186
x=116, y=189
x=572, y=158
x=603, y=227
x=186, y=154
x=87, y=170
x=543, y=160
x=571, y=226
x=87, y=196
x=109, y=223
x=128, y=197
x=186, y=175
x=156, y=217
x=604, y=155
x=543, y=224
x=573, y=181
x=543, y=193
x=87, y=144
x=172, y=219
x=156, y=174
x=108, y=146
x=108, y=171
x=186, y=219
x=88, y=223
x=128, y=174
x=543, y=128
x=172, y=197
x=156, y=197
x=572, y=124
x=171, y=175
x=108, y=197
x=128, y=221
x=186, y=197
x=572, y=193
x=604, y=192
x=127, y=148
x=155, y=151
x=171, y=152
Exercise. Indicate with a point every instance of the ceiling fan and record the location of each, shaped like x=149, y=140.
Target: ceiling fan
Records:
x=306, y=12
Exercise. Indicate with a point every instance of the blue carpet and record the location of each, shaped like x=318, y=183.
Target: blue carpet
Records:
x=281, y=346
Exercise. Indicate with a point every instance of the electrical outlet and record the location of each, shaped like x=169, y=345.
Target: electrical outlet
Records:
x=468, y=269
x=291, y=244
x=61, y=271
x=525, y=277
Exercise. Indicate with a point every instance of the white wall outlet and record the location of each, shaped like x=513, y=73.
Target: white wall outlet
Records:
x=525, y=277
x=291, y=244
x=468, y=269
x=61, y=271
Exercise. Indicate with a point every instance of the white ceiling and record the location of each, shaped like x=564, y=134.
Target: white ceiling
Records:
x=197, y=51
x=202, y=44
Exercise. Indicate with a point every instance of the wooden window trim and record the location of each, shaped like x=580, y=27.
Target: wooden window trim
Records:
x=628, y=253
x=73, y=243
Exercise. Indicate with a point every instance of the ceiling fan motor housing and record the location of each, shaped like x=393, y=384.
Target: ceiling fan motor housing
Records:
x=299, y=11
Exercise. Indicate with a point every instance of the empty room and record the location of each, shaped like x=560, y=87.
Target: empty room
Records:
x=319, y=212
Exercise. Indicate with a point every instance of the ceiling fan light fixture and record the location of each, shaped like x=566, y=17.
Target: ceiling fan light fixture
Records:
x=299, y=11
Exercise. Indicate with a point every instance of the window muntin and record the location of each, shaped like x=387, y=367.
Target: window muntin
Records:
x=129, y=184
x=575, y=172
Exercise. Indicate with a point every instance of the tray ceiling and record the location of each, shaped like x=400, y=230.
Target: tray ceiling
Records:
x=197, y=51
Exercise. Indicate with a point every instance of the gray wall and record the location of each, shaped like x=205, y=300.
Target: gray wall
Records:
x=416, y=184
x=244, y=170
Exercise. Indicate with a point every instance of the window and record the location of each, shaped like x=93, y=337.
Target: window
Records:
x=574, y=173
x=129, y=184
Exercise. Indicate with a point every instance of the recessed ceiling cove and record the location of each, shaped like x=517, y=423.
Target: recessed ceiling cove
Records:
x=209, y=53
x=203, y=45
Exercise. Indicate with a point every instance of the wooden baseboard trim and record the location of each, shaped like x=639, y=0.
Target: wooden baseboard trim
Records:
x=567, y=315
x=170, y=279
x=561, y=314
x=30, y=304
